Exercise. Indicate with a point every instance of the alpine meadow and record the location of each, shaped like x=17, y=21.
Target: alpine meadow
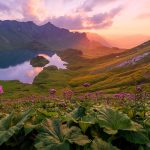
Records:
x=75, y=75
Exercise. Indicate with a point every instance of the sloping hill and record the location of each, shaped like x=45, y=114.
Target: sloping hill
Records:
x=102, y=73
x=112, y=73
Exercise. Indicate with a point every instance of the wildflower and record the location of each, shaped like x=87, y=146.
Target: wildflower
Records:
x=138, y=88
x=98, y=93
x=1, y=89
x=90, y=96
x=130, y=96
x=86, y=84
x=81, y=97
x=52, y=92
x=120, y=96
x=68, y=94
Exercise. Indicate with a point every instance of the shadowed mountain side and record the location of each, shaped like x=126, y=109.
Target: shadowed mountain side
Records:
x=28, y=35
x=20, y=35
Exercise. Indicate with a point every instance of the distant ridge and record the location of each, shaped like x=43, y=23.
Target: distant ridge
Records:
x=20, y=35
x=27, y=35
x=145, y=44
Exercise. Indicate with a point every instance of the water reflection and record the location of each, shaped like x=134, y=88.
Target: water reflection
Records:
x=55, y=60
x=15, y=57
x=25, y=73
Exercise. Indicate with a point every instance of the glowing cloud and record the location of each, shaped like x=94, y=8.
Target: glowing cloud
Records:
x=34, y=10
x=100, y=20
x=88, y=5
x=144, y=16
x=4, y=8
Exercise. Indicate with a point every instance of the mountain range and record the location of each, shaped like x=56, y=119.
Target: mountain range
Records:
x=20, y=35
x=27, y=35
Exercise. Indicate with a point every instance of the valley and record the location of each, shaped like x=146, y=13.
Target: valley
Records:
x=110, y=74
x=63, y=90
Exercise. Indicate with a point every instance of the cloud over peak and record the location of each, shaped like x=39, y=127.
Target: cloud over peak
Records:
x=34, y=10
x=89, y=5
x=97, y=21
x=81, y=16
x=4, y=8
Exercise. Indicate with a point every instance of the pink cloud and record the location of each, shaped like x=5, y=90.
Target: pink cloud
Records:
x=4, y=8
x=34, y=10
x=69, y=22
x=88, y=5
x=77, y=22
x=144, y=16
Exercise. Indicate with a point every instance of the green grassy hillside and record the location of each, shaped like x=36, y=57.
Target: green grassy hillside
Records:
x=110, y=74
x=102, y=73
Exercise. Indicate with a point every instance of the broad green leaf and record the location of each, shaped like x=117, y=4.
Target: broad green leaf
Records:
x=147, y=121
x=135, y=127
x=53, y=146
x=11, y=125
x=29, y=127
x=141, y=148
x=135, y=137
x=86, y=122
x=74, y=135
x=78, y=113
x=84, y=125
x=57, y=135
x=33, y=123
x=47, y=114
x=99, y=144
x=47, y=145
x=112, y=121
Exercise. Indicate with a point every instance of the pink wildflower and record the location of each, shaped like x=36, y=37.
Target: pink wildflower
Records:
x=86, y=84
x=52, y=92
x=68, y=94
x=138, y=88
x=1, y=89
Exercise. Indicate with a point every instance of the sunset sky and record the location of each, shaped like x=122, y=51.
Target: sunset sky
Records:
x=124, y=23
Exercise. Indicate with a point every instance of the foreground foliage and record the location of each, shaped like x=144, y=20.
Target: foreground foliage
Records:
x=88, y=127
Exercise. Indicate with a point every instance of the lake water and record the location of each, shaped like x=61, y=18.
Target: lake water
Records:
x=25, y=73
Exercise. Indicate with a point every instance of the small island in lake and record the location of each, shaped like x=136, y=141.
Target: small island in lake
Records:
x=39, y=61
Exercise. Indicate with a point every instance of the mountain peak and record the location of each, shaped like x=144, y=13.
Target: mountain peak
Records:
x=30, y=22
x=22, y=35
x=48, y=24
x=28, y=35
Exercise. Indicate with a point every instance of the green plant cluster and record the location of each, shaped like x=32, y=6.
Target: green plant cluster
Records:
x=87, y=127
